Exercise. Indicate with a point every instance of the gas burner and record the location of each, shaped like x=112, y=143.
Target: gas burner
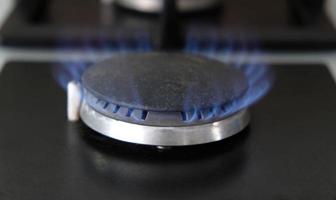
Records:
x=155, y=6
x=163, y=99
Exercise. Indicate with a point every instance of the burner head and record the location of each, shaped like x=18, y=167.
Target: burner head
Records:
x=162, y=89
x=163, y=99
x=155, y=6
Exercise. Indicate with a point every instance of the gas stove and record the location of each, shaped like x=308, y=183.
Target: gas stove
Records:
x=286, y=152
x=179, y=107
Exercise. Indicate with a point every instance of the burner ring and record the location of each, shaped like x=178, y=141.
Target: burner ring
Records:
x=164, y=136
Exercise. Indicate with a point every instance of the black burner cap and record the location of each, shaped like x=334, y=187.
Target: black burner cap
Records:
x=164, y=82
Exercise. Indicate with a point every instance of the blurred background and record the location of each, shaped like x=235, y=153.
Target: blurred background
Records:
x=296, y=31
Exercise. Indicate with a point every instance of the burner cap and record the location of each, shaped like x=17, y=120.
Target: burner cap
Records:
x=163, y=99
x=166, y=84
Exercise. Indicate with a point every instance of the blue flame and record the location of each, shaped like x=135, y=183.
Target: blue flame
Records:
x=236, y=50
x=72, y=68
x=69, y=71
x=242, y=55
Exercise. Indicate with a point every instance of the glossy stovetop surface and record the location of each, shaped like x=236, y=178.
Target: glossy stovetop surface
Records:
x=288, y=151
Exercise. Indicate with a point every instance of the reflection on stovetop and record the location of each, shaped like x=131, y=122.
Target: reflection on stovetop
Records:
x=136, y=170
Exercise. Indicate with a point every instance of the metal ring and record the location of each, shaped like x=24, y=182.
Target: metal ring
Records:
x=164, y=136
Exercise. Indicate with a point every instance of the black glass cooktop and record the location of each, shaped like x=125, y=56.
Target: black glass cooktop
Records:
x=275, y=25
x=288, y=151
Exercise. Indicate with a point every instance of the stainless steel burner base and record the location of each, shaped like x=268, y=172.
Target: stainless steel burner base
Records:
x=164, y=136
x=155, y=6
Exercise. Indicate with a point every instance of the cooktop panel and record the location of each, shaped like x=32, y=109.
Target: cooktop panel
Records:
x=288, y=151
